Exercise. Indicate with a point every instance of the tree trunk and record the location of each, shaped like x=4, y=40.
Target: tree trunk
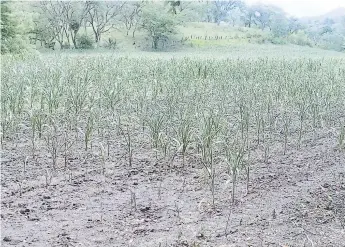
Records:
x=61, y=44
x=133, y=33
x=74, y=37
x=155, y=40
x=67, y=36
x=75, y=41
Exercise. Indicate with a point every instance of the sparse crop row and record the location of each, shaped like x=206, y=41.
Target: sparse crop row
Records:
x=217, y=111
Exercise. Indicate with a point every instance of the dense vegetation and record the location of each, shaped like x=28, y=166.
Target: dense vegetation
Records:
x=73, y=24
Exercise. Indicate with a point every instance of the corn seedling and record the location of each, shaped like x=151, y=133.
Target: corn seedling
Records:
x=129, y=144
x=53, y=144
x=184, y=137
x=342, y=137
x=235, y=158
x=286, y=126
x=302, y=117
x=102, y=158
x=88, y=131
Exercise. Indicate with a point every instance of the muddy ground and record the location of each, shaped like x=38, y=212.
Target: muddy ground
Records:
x=297, y=199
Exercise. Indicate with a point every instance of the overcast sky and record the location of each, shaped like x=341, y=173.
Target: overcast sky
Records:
x=301, y=8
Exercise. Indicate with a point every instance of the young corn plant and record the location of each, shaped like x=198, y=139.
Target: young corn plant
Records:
x=341, y=140
x=247, y=169
x=53, y=143
x=155, y=124
x=88, y=131
x=286, y=127
x=259, y=124
x=235, y=158
x=164, y=143
x=184, y=134
x=302, y=117
x=210, y=129
x=67, y=144
x=244, y=121
x=102, y=157
x=129, y=145
x=266, y=142
x=211, y=172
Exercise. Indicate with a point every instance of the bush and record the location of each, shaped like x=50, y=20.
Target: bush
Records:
x=280, y=26
x=277, y=41
x=85, y=42
x=12, y=39
x=111, y=44
x=332, y=42
x=300, y=38
x=14, y=45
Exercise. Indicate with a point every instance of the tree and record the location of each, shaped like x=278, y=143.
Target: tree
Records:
x=332, y=41
x=327, y=26
x=191, y=11
x=249, y=17
x=43, y=33
x=173, y=6
x=263, y=16
x=74, y=15
x=11, y=38
x=279, y=26
x=131, y=16
x=314, y=33
x=294, y=25
x=158, y=23
x=53, y=17
x=60, y=21
x=101, y=16
x=235, y=16
x=220, y=9
x=8, y=26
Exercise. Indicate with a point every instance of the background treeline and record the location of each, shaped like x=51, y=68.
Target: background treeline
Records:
x=156, y=25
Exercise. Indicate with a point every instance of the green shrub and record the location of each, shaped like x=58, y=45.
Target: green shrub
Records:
x=13, y=45
x=332, y=42
x=85, y=42
x=111, y=44
x=277, y=41
x=299, y=38
x=12, y=39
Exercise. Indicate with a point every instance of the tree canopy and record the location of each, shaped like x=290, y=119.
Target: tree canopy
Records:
x=61, y=24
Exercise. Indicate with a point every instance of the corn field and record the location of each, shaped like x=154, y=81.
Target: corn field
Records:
x=213, y=110
x=220, y=114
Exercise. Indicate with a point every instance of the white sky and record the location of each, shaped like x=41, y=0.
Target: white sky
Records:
x=302, y=8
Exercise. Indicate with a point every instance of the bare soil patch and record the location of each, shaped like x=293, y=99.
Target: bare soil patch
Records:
x=297, y=199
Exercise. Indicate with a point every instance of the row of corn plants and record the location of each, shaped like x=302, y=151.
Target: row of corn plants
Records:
x=217, y=111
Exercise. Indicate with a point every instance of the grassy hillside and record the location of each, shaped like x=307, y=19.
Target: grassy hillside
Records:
x=194, y=34
x=221, y=41
x=201, y=35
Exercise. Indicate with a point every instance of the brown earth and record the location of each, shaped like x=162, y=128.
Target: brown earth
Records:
x=297, y=199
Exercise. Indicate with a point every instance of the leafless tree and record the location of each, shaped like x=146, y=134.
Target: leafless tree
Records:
x=74, y=15
x=101, y=16
x=131, y=15
x=53, y=14
x=222, y=8
x=64, y=19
